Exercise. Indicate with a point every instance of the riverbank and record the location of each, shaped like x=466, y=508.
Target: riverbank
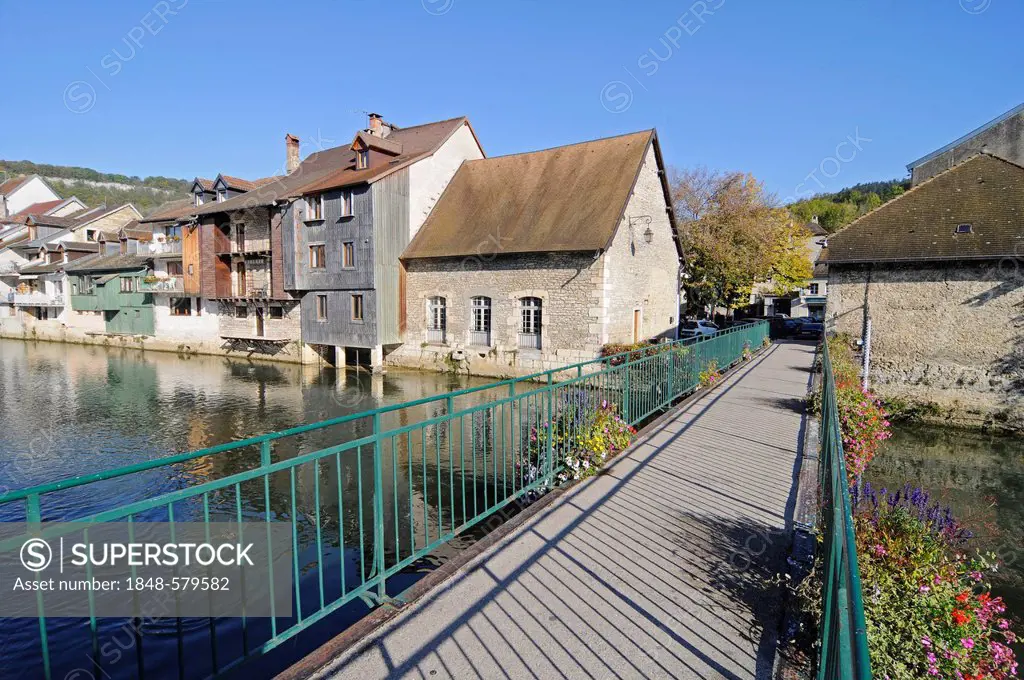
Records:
x=975, y=414
x=291, y=352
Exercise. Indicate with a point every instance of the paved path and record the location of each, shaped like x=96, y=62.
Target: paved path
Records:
x=659, y=568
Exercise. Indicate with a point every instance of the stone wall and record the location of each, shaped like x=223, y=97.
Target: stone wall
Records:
x=1005, y=139
x=641, y=276
x=950, y=334
x=89, y=329
x=569, y=285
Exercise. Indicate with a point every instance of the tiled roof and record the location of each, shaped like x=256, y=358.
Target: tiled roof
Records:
x=42, y=268
x=985, y=192
x=335, y=167
x=416, y=143
x=81, y=246
x=40, y=208
x=821, y=265
x=10, y=185
x=569, y=198
x=248, y=185
x=108, y=263
x=170, y=211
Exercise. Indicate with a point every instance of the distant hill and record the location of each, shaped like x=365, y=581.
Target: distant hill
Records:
x=96, y=188
x=836, y=210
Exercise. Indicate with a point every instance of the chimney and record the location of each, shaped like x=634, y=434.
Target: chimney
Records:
x=291, y=145
x=814, y=219
x=378, y=127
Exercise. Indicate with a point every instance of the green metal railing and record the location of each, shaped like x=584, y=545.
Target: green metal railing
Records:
x=389, y=494
x=843, y=632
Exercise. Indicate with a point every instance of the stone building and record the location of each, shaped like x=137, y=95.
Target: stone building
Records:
x=537, y=260
x=940, y=272
x=1003, y=137
x=345, y=232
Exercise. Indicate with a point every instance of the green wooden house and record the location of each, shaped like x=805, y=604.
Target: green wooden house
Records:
x=113, y=285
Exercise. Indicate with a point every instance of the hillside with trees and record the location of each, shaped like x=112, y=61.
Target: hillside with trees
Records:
x=96, y=188
x=836, y=210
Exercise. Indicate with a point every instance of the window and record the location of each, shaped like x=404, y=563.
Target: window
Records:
x=480, y=321
x=348, y=254
x=362, y=159
x=529, y=333
x=222, y=195
x=317, y=256
x=181, y=306
x=74, y=289
x=199, y=199
x=173, y=233
x=277, y=312
x=321, y=308
x=174, y=268
x=964, y=228
x=437, y=319
x=199, y=306
x=241, y=312
x=314, y=207
x=813, y=289
x=357, y=307
x=127, y=284
x=346, y=203
x=90, y=234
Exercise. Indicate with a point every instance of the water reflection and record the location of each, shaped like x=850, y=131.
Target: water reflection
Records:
x=73, y=410
x=980, y=476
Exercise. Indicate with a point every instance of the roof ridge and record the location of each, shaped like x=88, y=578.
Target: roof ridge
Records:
x=649, y=131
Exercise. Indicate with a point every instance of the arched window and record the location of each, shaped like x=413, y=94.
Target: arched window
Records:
x=437, y=319
x=480, y=321
x=529, y=332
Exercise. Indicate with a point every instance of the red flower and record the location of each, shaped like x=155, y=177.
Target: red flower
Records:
x=964, y=596
x=984, y=598
x=960, y=617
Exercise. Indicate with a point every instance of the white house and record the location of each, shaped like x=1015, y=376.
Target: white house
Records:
x=19, y=193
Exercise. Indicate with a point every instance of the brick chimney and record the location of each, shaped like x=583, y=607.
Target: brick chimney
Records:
x=291, y=145
x=378, y=127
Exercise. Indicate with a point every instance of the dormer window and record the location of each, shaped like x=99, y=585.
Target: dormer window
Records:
x=964, y=228
x=362, y=159
x=222, y=195
x=314, y=207
x=199, y=199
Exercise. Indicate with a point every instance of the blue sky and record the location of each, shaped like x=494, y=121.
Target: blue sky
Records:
x=196, y=87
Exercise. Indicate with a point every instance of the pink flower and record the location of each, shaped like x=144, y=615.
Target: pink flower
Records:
x=926, y=642
x=968, y=643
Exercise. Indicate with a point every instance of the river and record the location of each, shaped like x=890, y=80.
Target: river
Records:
x=980, y=476
x=70, y=410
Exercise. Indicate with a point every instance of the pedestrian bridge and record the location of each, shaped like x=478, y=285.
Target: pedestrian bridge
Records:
x=661, y=567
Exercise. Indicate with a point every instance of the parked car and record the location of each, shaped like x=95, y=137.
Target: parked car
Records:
x=691, y=329
x=808, y=327
x=782, y=327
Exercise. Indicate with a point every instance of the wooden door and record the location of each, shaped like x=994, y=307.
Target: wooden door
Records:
x=259, y=322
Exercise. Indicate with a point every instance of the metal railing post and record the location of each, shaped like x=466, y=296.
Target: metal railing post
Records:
x=378, y=508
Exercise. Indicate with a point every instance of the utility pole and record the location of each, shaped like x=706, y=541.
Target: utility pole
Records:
x=867, y=352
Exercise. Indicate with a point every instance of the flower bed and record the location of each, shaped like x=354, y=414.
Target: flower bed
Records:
x=863, y=420
x=929, y=610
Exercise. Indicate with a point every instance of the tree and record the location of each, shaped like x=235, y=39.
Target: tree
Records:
x=734, y=236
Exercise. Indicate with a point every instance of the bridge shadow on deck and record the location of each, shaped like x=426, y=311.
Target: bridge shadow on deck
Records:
x=662, y=566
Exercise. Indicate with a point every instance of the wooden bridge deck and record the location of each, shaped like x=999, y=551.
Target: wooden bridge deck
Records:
x=661, y=567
